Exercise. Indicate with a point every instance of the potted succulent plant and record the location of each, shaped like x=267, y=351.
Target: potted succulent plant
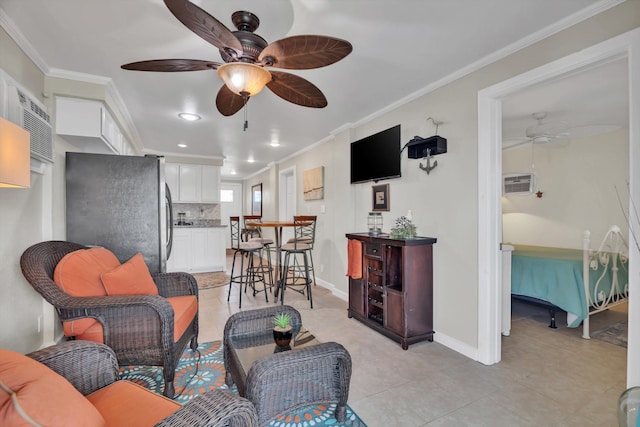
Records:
x=282, y=329
x=403, y=229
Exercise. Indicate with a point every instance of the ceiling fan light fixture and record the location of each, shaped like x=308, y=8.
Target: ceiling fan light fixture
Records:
x=244, y=78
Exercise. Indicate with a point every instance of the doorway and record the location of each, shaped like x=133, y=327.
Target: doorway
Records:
x=489, y=189
x=230, y=204
x=288, y=201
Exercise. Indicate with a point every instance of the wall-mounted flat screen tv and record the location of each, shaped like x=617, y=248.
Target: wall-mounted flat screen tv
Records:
x=376, y=157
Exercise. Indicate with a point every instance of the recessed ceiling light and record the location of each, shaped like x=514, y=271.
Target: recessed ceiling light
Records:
x=275, y=144
x=182, y=145
x=251, y=161
x=189, y=116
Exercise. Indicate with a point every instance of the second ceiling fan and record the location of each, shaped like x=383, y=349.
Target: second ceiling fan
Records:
x=246, y=54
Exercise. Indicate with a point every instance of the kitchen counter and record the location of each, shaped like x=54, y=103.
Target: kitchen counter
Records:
x=201, y=223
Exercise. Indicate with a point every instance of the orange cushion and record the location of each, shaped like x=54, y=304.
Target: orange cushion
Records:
x=124, y=403
x=78, y=272
x=46, y=397
x=87, y=328
x=130, y=278
x=185, y=309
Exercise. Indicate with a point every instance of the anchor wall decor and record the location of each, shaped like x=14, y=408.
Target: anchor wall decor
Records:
x=428, y=167
x=426, y=148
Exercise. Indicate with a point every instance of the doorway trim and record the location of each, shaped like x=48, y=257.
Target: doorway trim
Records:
x=282, y=191
x=627, y=46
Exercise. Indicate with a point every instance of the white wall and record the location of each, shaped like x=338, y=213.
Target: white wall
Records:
x=578, y=181
x=25, y=218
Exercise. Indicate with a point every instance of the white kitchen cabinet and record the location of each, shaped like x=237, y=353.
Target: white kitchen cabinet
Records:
x=197, y=250
x=210, y=184
x=88, y=124
x=179, y=259
x=193, y=183
x=216, y=247
x=199, y=255
x=190, y=183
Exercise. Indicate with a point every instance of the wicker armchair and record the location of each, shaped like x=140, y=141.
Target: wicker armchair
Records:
x=281, y=382
x=139, y=328
x=91, y=366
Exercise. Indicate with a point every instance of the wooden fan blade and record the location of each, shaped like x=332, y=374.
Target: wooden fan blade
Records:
x=295, y=89
x=305, y=52
x=228, y=103
x=171, y=65
x=205, y=25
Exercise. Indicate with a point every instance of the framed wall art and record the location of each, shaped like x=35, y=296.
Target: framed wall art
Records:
x=380, y=197
x=313, y=183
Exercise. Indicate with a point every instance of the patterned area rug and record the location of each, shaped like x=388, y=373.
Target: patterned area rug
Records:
x=613, y=334
x=195, y=376
x=211, y=280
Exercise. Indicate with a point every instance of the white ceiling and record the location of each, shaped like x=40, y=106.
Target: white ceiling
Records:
x=588, y=102
x=399, y=49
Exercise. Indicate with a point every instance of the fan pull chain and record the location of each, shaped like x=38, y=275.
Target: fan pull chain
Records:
x=245, y=98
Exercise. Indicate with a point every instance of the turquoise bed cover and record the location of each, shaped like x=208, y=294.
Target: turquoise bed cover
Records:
x=555, y=275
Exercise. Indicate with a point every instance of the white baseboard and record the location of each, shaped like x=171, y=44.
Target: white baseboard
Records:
x=455, y=345
x=335, y=291
x=440, y=338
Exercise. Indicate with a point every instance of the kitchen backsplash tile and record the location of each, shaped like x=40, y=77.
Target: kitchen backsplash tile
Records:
x=197, y=211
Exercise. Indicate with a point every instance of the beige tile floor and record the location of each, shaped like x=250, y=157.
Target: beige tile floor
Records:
x=546, y=377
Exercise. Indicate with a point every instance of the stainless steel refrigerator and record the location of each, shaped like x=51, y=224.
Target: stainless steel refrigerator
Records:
x=121, y=203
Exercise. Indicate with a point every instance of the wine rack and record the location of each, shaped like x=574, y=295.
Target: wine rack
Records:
x=395, y=294
x=374, y=278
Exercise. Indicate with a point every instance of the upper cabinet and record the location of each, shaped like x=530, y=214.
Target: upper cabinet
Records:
x=89, y=125
x=210, y=184
x=193, y=183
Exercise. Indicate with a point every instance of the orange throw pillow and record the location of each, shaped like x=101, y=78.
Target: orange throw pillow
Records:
x=130, y=278
x=78, y=272
x=45, y=396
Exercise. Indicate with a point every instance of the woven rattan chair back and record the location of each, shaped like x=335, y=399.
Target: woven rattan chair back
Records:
x=138, y=328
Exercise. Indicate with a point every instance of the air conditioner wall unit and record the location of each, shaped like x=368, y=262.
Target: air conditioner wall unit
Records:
x=518, y=184
x=32, y=116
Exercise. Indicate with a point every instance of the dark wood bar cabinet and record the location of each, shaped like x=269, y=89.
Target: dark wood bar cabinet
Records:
x=394, y=296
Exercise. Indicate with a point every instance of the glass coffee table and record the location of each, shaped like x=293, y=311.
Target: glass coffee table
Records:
x=252, y=346
x=278, y=380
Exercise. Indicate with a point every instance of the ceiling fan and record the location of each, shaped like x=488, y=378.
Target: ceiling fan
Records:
x=541, y=133
x=246, y=54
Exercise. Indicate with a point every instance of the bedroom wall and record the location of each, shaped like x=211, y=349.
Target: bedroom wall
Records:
x=579, y=184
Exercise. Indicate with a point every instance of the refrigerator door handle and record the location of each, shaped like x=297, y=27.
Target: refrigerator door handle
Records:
x=169, y=208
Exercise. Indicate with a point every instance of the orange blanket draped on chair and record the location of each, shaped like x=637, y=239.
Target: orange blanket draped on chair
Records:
x=354, y=255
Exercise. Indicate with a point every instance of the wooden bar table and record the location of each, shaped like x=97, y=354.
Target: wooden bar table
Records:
x=277, y=228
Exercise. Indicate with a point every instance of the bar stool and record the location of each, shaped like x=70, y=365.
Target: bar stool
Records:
x=293, y=270
x=262, y=269
x=248, y=233
x=247, y=277
x=307, y=234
